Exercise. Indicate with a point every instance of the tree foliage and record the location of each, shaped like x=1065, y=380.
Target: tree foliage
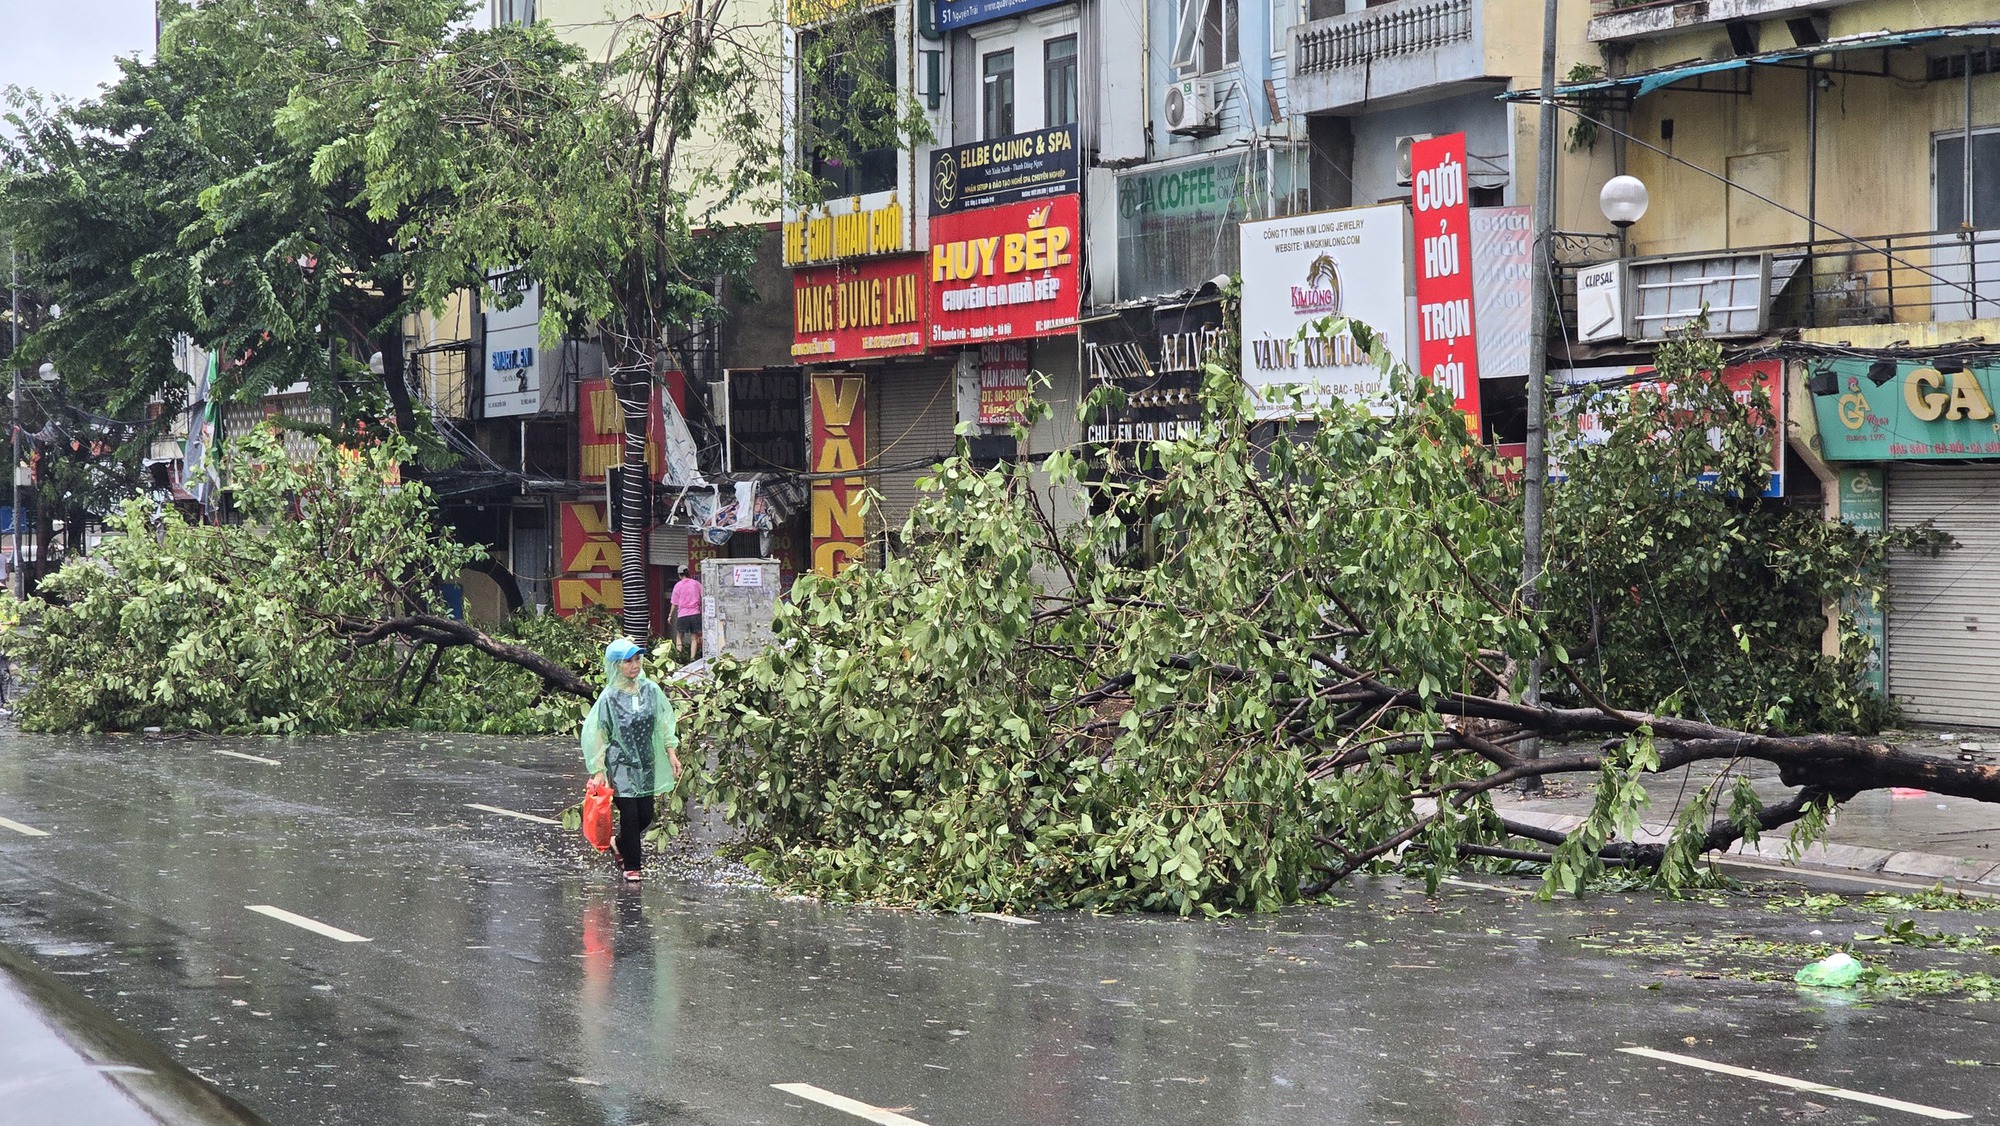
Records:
x=1704, y=601
x=218, y=191
x=320, y=612
x=1309, y=666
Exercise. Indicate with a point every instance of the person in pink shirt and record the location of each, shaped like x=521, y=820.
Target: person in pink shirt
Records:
x=686, y=598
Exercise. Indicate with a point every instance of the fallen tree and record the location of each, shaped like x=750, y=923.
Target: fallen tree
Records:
x=320, y=611
x=1271, y=657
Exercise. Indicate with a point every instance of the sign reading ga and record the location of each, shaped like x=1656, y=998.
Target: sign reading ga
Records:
x=1887, y=410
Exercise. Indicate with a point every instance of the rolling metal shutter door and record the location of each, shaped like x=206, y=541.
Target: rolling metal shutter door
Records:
x=916, y=411
x=1944, y=613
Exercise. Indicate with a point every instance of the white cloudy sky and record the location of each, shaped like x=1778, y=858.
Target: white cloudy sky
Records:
x=67, y=46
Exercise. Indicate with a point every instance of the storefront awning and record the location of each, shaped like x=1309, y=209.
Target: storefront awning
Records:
x=1648, y=81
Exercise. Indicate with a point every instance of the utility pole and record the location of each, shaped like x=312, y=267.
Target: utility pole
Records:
x=14, y=407
x=1542, y=277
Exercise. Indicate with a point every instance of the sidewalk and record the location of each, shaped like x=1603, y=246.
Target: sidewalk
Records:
x=1911, y=834
x=64, y=1060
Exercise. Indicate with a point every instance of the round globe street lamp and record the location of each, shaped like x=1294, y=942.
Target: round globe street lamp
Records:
x=1623, y=201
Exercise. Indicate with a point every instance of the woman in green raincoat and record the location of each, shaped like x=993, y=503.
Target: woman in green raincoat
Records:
x=629, y=743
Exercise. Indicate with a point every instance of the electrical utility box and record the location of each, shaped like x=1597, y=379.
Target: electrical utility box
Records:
x=739, y=597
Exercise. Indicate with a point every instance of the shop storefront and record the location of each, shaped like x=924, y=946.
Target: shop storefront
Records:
x=1914, y=441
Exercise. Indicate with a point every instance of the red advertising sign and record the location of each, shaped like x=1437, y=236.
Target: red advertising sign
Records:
x=839, y=444
x=1743, y=381
x=858, y=310
x=589, y=572
x=601, y=430
x=1447, y=352
x=1005, y=273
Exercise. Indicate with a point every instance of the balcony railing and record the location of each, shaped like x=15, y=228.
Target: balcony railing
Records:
x=1888, y=279
x=1381, y=33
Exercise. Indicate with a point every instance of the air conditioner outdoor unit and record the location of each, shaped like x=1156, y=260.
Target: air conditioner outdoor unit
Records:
x=1191, y=108
x=1403, y=144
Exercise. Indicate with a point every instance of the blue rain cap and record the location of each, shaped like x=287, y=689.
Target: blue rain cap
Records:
x=621, y=650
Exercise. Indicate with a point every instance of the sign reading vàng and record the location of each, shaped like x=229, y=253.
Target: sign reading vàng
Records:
x=839, y=444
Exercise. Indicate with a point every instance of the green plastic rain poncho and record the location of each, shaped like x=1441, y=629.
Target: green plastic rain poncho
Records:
x=628, y=730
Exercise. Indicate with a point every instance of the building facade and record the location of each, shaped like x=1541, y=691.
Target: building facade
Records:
x=1822, y=177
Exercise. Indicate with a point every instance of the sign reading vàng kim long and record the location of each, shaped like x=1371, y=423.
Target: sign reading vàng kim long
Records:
x=1300, y=269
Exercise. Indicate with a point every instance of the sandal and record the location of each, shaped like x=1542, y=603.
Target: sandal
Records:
x=633, y=875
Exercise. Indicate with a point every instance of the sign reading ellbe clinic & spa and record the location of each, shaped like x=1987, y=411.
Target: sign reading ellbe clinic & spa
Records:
x=1008, y=272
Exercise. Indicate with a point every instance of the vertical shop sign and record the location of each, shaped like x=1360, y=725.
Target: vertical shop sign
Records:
x=1502, y=290
x=590, y=558
x=1861, y=505
x=1447, y=353
x=839, y=444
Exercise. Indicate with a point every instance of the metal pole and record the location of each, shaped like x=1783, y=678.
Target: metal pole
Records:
x=14, y=410
x=1536, y=472
x=1812, y=191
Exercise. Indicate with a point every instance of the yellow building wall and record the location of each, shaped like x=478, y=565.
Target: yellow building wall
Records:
x=596, y=27
x=441, y=376
x=1513, y=40
x=1873, y=160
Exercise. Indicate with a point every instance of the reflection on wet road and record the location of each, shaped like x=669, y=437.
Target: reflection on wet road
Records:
x=507, y=978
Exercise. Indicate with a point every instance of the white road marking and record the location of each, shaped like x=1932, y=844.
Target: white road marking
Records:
x=997, y=917
x=313, y=925
x=1484, y=887
x=249, y=758
x=1806, y=1085
x=1798, y=872
x=854, y=1107
x=513, y=813
x=24, y=830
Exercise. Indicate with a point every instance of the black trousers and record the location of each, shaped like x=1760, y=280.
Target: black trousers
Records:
x=634, y=815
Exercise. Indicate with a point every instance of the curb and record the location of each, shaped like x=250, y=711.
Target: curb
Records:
x=1836, y=857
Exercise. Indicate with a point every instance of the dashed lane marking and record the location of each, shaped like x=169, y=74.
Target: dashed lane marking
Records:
x=513, y=813
x=24, y=830
x=855, y=1107
x=1456, y=882
x=250, y=758
x=1015, y=920
x=313, y=925
x=1806, y=1085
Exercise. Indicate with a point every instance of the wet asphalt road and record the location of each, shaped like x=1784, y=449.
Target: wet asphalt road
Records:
x=508, y=979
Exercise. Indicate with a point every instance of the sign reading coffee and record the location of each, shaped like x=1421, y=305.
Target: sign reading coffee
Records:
x=1004, y=170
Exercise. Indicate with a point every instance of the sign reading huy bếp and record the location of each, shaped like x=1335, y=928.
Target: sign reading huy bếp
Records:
x=1007, y=272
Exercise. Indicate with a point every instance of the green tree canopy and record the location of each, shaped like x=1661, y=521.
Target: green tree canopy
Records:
x=1267, y=660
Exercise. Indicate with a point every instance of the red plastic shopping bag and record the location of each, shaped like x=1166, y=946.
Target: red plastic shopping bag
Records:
x=597, y=815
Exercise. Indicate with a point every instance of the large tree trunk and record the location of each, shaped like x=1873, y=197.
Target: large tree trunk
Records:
x=434, y=629
x=634, y=386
